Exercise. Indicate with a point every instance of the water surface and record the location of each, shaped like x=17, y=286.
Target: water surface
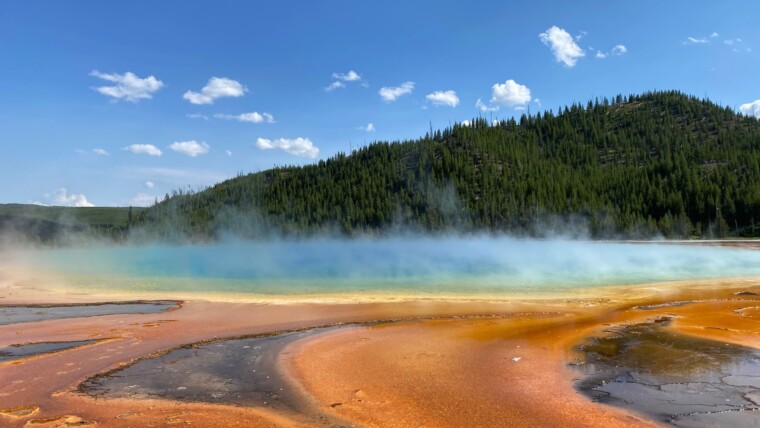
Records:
x=467, y=265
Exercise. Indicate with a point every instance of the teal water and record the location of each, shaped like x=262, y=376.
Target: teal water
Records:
x=420, y=265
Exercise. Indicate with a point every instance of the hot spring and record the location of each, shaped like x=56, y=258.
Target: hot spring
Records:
x=409, y=265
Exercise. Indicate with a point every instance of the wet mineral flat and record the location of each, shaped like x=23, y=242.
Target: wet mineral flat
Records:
x=674, y=378
x=241, y=371
x=17, y=352
x=13, y=314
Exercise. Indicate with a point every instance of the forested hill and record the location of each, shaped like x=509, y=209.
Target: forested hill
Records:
x=659, y=163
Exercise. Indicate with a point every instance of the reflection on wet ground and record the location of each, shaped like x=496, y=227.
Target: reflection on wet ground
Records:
x=17, y=352
x=236, y=371
x=12, y=314
x=671, y=377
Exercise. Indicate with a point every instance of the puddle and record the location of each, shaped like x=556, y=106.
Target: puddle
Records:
x=17, y=352
x=13, y=314
x=239, y=372
x=673, y=378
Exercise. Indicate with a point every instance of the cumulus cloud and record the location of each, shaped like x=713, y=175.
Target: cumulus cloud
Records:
x=483, y=107
x=253, y=117
x=751, y=109
x=149, y=184
x=714, y=34
x=62, y=197
x=217, y=87
x=101, y=152
x=562, y=45
x=600, y=55
x=351, y=76
x=510, y=94
x=144, y=149
x=128, y=86
x=466, y=123
x=443, y=98
x=391, y=93
x=369, y=128
x=341, y=78
x=296, y=146
x=190, y=148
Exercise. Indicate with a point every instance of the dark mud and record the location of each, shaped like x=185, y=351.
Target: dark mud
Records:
x=241, y=372
x=673, y=378
x=13, y=314
x=17, y=352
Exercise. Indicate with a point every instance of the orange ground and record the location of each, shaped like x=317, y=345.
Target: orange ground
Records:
x=420, y=372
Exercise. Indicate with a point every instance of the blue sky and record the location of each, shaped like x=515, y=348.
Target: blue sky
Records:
x=91, y=91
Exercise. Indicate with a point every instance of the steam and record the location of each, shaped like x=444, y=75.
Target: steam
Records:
x=420, y=264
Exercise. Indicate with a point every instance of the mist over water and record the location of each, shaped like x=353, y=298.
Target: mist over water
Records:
x=467, y=265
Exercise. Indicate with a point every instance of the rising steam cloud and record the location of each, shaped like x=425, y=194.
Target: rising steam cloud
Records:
x=428, y=265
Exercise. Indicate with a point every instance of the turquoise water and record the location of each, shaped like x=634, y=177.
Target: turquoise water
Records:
x=421, y=265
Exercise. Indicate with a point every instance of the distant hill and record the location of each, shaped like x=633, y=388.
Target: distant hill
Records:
x=658, y=163
x=49, y=224
x=632, y=166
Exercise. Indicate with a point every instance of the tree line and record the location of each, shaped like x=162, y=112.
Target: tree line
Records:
x=659, y=163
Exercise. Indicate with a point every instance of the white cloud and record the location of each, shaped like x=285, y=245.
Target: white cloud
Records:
x=443, y=98
x=128, y=86
x=144, y=149
x=390, y=94
x=751, y=109
x=510, y=94
x=341, y=78
x=228, y=152
x=101, y=152
x=62, y=197
x=479, y=104
x=714, y=34
x=619, y=50
x=297, y=146
x=695, y=41
x=190, y=148
x=253, y=117
x=197, y=116
x=369, y=128
x=351, y=76
x=217, y=87
x=562, y=45
x=143, y=200
x=335, y=85
x=149, y=184
x=466, y=123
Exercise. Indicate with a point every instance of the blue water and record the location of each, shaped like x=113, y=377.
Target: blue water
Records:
x=422, y=265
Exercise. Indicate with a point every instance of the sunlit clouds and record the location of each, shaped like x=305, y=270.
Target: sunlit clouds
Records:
x=127, y=86
x=296, y=146
x=217, y=87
